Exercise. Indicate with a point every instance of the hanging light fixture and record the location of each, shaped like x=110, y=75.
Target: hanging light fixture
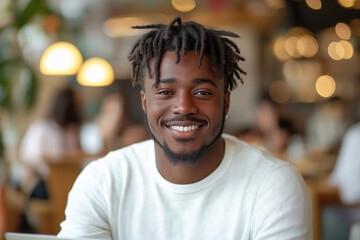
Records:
x=61, y=58
x=96, y=72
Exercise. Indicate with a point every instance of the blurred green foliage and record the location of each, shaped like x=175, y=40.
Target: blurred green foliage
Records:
x=14, y=71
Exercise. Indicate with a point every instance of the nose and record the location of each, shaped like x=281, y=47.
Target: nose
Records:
x=184, y=104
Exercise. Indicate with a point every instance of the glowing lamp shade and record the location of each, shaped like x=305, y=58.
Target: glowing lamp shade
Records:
x=61, y=58
x=96, y=72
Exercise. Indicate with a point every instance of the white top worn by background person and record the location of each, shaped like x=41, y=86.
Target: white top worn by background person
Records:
x=44, y=138
x=251, y=195
x=346, y=174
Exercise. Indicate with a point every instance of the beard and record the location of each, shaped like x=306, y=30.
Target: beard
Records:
x=186, y=158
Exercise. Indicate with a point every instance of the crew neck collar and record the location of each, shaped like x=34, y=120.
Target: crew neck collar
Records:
x=197, y=186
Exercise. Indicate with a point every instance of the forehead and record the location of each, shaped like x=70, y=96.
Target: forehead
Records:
x=186, y=68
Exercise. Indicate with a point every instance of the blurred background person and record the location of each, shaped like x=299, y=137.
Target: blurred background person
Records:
x=49, y=138
x=339, y=217
x=101, y=134
x=113, y=126
x=327, y=125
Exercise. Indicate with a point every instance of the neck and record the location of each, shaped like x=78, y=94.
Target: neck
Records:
x=186, y=173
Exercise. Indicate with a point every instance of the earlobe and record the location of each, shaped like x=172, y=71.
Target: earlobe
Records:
x=143, y=100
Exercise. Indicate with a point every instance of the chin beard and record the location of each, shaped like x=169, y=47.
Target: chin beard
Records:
x=189, y=158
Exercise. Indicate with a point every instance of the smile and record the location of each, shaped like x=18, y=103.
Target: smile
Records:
x=184, y=128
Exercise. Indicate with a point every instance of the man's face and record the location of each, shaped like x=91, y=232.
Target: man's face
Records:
x=185, y=113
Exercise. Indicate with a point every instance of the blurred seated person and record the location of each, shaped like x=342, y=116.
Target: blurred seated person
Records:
x=272, y=132
x=49, y=139
x=346, y=174
x=101, y=134
x=112, y=127
x=337, y=218
x=327, y=125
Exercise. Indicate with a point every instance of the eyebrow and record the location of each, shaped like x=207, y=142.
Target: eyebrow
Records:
x=196, y=80
x=204, y=80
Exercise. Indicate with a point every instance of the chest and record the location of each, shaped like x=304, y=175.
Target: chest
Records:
x=217, y=212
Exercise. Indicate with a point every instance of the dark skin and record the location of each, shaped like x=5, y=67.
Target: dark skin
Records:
x=186, y=112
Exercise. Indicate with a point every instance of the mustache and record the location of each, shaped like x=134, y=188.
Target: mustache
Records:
x=184, y=118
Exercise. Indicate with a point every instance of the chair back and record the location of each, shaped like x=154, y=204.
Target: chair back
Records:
x=61, y=178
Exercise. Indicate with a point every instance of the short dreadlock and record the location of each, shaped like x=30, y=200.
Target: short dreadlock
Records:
x=187, y=36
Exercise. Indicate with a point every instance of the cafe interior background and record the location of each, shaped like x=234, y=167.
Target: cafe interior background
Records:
x=302, y=60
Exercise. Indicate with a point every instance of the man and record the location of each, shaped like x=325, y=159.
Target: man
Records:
x=190, y=181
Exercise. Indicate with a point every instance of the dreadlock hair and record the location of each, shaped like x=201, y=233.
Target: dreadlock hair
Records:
x=183, y=37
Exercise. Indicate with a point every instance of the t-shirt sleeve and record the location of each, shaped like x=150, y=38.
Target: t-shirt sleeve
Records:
x=87, y=208
x=283, y=207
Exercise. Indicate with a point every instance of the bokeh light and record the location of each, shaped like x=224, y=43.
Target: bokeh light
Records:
x=325, y=86
x=341, y=50
x=343, y=31
x=346, y=3
x=348, y=49
x=314, y=4
x=96, y=72
x=279, y=49
x=184, y=5
x=307, y=46
x=61, y=58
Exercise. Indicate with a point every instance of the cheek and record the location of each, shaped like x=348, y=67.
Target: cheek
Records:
x=155, y=111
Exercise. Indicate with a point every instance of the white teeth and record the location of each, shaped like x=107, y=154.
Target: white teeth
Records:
x=184, y=129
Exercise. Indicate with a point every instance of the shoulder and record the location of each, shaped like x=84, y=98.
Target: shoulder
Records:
x=251, y=157
x=274, y=188
x=260, y=169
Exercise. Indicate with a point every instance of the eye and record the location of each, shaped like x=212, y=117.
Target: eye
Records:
x=203, y=93
x=164, y=93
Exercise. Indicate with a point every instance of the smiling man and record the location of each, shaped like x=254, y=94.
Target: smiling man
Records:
x=191, y=181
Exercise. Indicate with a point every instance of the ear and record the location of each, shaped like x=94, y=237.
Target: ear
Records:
x=227, y=102
x=143, y=100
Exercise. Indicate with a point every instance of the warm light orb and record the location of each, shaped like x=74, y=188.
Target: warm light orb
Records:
x=348, y=49
x=279, y=49
x=343, y=31
x=291, y=47
x=314, y=4
x=96, y=72
x=184, y=5
x=336, y=51
x=346, y=3
x=307, y=46
x=325, y=86
x=61, y=58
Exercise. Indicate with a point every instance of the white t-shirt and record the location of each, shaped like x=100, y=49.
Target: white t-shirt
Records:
x=346, y=174
x=251, y=195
